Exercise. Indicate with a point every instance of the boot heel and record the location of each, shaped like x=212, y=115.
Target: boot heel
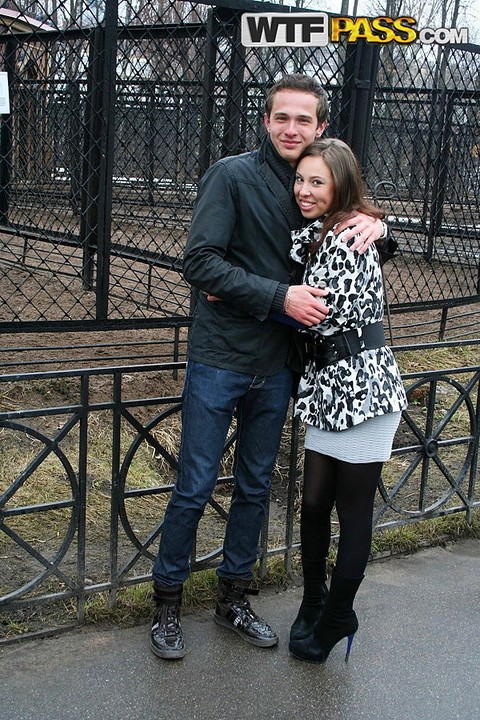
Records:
x=349, y=645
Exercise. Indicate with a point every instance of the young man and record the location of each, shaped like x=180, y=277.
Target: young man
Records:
x=240, y=360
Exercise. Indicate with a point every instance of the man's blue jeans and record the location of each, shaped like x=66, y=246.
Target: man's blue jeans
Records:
x=211, y=396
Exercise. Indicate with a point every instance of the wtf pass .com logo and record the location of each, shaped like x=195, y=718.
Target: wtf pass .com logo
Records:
x=320, y=29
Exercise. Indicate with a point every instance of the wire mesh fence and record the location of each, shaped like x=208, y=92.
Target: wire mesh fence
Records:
x=118, y=110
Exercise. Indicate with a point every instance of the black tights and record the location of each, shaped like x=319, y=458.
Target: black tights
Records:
x=351, y=488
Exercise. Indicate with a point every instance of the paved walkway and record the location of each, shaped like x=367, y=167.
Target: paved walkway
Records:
x=415, y=656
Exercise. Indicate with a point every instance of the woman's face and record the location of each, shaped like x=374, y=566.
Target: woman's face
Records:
x=314, y=187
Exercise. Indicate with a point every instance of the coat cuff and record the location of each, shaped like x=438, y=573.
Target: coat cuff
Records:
x=279, y=298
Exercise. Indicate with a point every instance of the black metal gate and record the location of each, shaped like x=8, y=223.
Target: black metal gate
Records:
x=112, y=124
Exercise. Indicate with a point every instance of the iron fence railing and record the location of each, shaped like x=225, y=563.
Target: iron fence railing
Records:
x=88, y=459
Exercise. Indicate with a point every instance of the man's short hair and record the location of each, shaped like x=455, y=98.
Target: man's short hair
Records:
x=303, y=83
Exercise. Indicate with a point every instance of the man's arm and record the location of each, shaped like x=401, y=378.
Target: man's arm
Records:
x=302, y=303
x=205, y=263
x=207, y=268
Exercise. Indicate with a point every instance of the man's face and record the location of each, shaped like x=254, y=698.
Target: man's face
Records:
x=293, y=123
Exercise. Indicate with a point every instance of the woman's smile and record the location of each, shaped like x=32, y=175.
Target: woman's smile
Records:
x=314, y=187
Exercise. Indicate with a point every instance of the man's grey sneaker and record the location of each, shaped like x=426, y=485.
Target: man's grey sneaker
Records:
x=166, y=639
x=233, y=611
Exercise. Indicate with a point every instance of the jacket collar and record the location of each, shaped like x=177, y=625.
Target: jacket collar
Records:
x=279, y=176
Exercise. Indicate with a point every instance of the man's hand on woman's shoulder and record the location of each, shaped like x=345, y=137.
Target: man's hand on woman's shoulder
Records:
x=365, y=230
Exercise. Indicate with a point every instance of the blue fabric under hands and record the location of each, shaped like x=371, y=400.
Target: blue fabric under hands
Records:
x=281, y=317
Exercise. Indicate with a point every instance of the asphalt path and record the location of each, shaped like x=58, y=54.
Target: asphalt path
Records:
x=414, y=656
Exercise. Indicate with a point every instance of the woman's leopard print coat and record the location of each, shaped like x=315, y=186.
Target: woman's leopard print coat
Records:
x=363, y=386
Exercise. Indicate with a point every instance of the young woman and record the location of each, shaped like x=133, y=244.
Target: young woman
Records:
x=350, y=397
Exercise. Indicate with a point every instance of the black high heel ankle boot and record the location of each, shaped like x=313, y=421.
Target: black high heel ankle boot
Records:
x=315, y=595
x=337, y=622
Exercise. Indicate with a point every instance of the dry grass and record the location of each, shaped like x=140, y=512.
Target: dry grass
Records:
x=411, y=361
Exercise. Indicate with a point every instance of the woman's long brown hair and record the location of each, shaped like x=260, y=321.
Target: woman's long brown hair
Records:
x=349, y=189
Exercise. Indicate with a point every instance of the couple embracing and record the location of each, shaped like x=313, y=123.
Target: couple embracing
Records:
x=294, y=204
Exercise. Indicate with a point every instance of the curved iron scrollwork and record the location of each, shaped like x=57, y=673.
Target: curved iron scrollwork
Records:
x=13, y=509
x=435, y=456
x=151, y=434
x=51, y=535
x=145, y=434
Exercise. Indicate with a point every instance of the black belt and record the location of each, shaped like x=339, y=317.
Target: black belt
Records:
x=330, y=349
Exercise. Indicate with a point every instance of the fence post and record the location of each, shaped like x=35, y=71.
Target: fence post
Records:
x=6, y=143
x=361, y=68
x=474, y=466
x=106, y=159
x=232, y=138
x=91, y=160
x=74, y=104
x=438, y=177
x=208, y=89
x=95, y=215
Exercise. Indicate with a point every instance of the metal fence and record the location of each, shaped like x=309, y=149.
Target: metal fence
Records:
x=88, y=462
x=116, y=114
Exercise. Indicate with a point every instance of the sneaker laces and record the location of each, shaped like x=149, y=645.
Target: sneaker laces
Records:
x=168, y=618
x=245, y=610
